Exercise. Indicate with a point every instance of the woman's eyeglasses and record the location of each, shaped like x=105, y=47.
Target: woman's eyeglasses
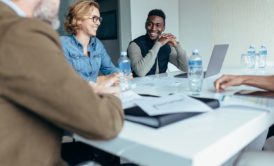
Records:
x=95, y=19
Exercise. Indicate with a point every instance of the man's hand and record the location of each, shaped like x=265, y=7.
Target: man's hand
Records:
x=168, y=38
x=227, y=81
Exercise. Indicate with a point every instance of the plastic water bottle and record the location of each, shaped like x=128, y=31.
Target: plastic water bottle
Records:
x=125, y=71
x=195, y=72
x=251, y=57
x=262, y=57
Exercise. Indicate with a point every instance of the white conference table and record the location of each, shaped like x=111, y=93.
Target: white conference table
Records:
x=209, y=139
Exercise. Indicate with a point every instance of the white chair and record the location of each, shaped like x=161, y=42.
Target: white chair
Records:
x=258, y=158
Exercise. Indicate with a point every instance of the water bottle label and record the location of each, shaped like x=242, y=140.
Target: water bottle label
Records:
x=251, y=52
x=125, y=68
x=195, y=63
x=263, y=53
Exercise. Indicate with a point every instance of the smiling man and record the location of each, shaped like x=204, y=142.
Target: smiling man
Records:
x=150, y=53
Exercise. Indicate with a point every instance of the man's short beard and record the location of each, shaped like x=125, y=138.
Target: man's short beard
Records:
x=45, y=13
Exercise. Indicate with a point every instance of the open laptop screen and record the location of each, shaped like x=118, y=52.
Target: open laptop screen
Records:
x=215, y=63
x=216, y=60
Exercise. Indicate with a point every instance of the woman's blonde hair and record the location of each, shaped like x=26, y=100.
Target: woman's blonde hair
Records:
x=77, y=12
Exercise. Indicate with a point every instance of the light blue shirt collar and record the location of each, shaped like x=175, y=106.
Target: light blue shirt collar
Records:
x=18, y=10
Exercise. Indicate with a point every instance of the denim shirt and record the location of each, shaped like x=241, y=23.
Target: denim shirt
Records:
x=88, y=67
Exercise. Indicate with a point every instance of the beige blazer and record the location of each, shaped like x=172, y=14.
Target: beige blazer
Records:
x=40, y=95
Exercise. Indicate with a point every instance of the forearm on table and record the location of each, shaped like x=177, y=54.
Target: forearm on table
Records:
x=263, y=82
x=142, y=65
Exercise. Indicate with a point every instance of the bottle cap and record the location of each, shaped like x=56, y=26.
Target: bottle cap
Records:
x=124, y=53
x=195, y=52
x=251, y=46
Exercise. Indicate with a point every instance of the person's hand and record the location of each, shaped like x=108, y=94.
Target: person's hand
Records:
x=115, y=89
x=130, y=76
x=172, y=40
x=227, y=81
x=107, y=84
x=109, y=80
x=168, y=38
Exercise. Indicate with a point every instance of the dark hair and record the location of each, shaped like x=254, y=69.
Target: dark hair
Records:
x=157, y=12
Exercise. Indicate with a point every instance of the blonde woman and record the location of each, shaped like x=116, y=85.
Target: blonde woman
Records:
x=82, y=49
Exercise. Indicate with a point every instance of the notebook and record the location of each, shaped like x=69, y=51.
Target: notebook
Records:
x=137, y=115
x=157, y=121
x=215, y=63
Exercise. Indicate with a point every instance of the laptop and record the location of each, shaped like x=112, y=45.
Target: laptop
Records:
x=215, y=63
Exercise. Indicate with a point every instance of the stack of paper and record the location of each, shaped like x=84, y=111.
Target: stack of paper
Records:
x=160, y=111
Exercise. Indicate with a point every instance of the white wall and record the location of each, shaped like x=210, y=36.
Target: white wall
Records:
x=241, y=23
x=124, y=24
x=237, y=22
x=195, y=17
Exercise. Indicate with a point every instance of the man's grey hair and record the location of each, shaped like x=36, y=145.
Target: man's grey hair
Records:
x=46, y=12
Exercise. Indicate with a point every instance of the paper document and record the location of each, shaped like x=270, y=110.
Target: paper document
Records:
x=258, y=103
x=171, y=104
x=128, y=98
